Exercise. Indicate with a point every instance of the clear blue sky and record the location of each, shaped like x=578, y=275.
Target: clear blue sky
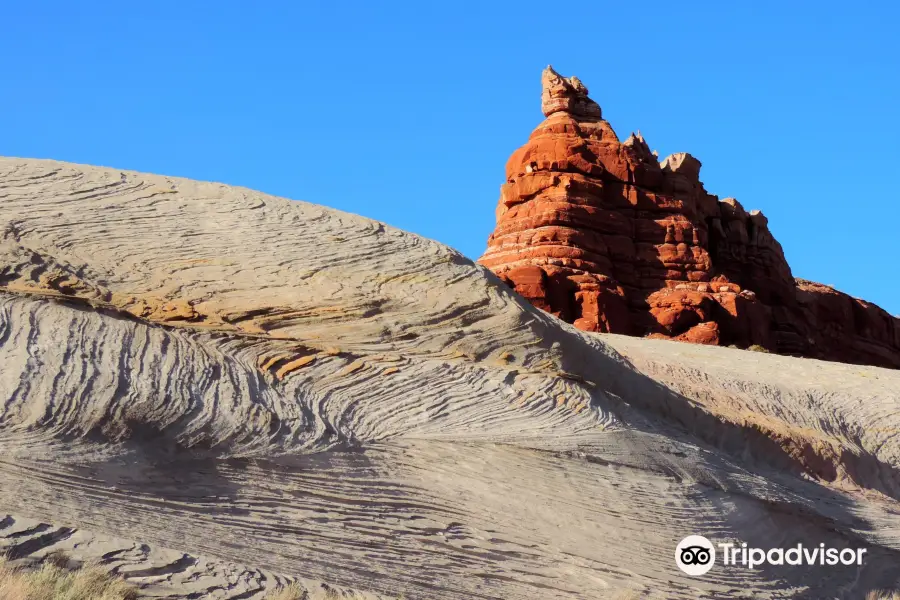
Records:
x=407, y=112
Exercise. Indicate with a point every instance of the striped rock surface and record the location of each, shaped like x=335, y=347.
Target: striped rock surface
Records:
x=214, y=391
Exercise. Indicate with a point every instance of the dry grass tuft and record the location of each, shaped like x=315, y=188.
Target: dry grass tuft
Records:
x=291, y=592
x=758, y=348
x=882, y=595
x=52, y=582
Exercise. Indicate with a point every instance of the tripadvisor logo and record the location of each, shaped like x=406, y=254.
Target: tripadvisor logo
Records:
x=695, y=555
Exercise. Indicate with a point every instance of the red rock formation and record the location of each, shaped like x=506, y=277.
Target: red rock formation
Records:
x=603, y=235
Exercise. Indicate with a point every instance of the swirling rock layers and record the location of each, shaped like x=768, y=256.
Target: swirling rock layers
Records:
x=215, y=391
x=601, y=234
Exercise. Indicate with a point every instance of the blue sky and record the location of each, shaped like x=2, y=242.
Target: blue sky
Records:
x=407, y=112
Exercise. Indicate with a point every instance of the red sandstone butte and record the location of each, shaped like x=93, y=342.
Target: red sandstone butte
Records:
x=605, y=236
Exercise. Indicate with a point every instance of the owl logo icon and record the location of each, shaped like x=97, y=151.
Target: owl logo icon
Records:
x=695, y=555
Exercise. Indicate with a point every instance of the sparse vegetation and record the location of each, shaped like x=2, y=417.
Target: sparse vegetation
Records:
x=291, y=592
x=758, y=348
x=883, y=595
x=53, y=582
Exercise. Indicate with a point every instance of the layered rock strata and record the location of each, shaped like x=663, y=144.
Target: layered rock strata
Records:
x=213, y=391
x=602, y=234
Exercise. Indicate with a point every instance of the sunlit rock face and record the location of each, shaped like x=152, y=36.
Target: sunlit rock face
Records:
x=602, y=234
x=212, y=392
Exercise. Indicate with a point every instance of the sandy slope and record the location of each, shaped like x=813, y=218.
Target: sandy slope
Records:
x=219, y=389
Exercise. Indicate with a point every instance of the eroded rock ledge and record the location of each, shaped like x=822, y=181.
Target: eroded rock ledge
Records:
x=604, y=235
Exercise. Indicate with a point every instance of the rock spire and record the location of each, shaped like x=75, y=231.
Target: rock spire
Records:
x=605, y=236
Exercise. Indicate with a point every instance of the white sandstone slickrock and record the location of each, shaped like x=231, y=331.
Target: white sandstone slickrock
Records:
x=223, y=390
